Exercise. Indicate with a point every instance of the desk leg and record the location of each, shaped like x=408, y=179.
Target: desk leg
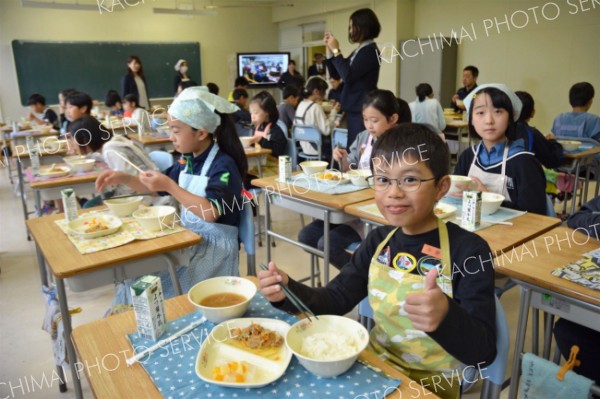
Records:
x=548, y=324
x=326, y=244
x=535, y=331
x=268, y=225
x=574, y=198
x=172, y=272
x=66, y=319
x=42, y=266
x=519, y=342
x=22, y=193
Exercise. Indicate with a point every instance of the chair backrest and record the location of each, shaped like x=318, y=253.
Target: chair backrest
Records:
x=310, y=134
x=242, y=131
x=162, y=159
x=493, y=375
x=339, y=138
x=283, y=128
x=246, y=236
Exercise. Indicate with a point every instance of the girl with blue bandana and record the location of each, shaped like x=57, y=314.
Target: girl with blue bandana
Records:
x=207, y=183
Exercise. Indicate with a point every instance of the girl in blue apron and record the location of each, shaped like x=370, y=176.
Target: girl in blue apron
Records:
x=497, y=164
x=430, y=283
x=206, y=181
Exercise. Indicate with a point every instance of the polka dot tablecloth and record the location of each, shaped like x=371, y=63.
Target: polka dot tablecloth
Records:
x=172, y=368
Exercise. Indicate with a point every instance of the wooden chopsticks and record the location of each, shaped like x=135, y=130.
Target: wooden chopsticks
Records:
x=294, y=299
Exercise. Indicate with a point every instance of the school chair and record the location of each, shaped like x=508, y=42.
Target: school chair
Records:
x=162, y=159
x=578, y=166
x=339, y=138
x=242, y=130
x=246, y=236
x=365, y=314
x=283, y=128
x=493, y=375
x=311, y=135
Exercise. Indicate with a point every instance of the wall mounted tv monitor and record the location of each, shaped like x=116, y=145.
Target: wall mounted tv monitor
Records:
x=262, y=69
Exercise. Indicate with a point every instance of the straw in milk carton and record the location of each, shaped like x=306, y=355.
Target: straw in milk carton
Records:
x=149, y=307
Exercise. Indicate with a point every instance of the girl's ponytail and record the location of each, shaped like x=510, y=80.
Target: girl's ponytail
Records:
x=230, y=144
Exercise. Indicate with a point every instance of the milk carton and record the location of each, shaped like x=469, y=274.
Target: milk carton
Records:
x=149, y=307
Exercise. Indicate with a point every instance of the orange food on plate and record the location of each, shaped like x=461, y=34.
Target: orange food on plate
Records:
x=438, y=211
x=233, y=372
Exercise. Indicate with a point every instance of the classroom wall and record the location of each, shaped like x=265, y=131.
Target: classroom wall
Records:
x=544, y=58
x=220, y=37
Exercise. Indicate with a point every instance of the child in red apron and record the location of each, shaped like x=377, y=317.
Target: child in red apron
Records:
x=498, y=164
x=430, y=283
x=207, y=183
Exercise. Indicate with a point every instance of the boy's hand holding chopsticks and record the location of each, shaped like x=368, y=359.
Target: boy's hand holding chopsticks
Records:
x=269, y=283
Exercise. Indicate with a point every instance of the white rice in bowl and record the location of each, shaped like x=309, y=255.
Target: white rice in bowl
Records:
x=329, y=346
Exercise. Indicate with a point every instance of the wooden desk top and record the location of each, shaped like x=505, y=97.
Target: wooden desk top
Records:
x=333, y=201
x=539, y=257
x=21, y=152
x=146, y=139
x=106, y=339
x=500, y=238
x=257, y=152
x=583, y=154
x=64, y=181
x=65, y=260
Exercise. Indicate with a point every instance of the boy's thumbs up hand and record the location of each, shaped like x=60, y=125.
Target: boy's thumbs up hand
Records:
x=427, y=309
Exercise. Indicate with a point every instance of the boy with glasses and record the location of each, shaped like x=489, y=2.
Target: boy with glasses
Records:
x=430, y=284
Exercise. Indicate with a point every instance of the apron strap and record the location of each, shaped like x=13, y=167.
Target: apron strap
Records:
x=504, y=156
x=446, y=272
x=211, y=156
x=382, y=243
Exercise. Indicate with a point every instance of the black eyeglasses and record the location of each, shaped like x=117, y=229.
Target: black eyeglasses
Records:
x=406, y=183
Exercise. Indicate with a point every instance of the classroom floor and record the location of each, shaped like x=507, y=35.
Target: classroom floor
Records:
x=25, y=348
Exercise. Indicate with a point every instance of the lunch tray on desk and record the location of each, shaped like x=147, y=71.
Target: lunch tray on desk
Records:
x=175, y=376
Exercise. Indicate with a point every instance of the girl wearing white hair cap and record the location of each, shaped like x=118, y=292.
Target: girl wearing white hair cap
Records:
x=182, y=69
x=497, y=164
x=206, y=181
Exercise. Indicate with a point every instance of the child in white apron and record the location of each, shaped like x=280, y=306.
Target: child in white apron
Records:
x=207, y=183
x=431, y=284
x=497, y=164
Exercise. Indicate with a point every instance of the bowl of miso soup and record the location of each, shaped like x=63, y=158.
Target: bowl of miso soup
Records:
x=222, y=298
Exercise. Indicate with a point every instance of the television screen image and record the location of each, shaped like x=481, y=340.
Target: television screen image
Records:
x=262, y=69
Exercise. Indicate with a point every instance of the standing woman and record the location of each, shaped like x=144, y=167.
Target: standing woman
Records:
x=134, y=82
x=182, y=69
x=360, y=71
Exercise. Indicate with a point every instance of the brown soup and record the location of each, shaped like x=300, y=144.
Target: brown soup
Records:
x=222, y=300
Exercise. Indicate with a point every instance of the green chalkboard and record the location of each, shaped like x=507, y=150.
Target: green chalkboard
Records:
x=96, y=67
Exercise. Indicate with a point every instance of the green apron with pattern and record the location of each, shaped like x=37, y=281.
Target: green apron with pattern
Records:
x=394, y=339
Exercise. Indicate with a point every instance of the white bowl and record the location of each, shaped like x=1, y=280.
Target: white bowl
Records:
x=219, y=285
x=490, y=202
x=569, y=145
x=338, y=325
x=123, y=207
x=312, y=167
x=155, y=218
x=82, y=165
x=464, y=180
x=245, y=141
x=358, y=177
x=80, y=225
x=57, y=171
x=72, y=158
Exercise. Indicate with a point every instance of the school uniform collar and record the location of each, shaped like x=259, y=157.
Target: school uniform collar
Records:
x=198, y=161
x=496, y=153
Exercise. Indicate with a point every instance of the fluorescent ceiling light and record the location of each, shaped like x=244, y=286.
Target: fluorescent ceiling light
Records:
x=59, y=6
x=175, y=11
